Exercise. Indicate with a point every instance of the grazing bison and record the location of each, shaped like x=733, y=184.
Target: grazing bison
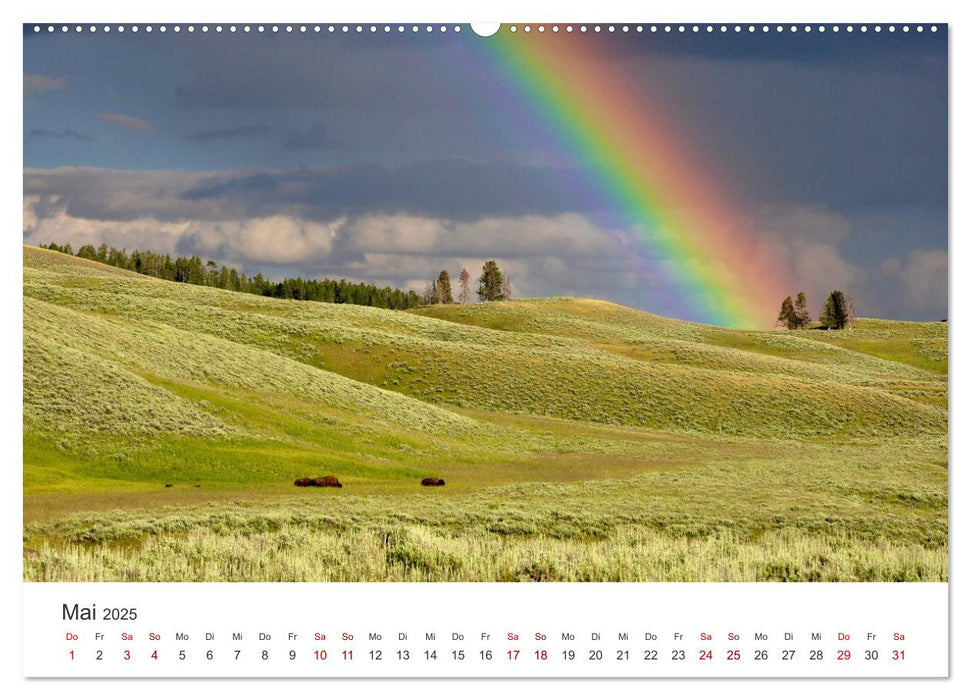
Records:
x=319, y=481
x=432, y=481
x=168, y=486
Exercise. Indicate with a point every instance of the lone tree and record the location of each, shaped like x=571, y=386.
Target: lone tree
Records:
x=787, y=315
x=802, y=312
x=837, y=312
x=490, y=282
x=443, y=289
x=464, y=286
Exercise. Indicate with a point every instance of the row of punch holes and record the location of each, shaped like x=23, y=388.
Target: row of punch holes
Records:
x=428, y=28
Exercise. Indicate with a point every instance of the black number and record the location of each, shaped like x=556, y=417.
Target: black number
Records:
x=677, y=655
x=762, y=654
x=650, y=655
x=596, y=655
x=120, y=614
x=816, y=655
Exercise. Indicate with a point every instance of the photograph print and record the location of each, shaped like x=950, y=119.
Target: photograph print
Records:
x=395, y=303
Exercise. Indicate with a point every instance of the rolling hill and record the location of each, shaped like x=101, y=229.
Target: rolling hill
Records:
x=576, y=359
x=568, y=421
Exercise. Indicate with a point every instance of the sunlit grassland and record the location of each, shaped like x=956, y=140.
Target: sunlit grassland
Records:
x=579, y=440
x=835, y=518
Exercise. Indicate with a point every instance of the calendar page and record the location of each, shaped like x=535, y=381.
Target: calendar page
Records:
x=518, y=350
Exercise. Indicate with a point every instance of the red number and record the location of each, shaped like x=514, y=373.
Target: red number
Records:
x=843, y=655
x=704, y=655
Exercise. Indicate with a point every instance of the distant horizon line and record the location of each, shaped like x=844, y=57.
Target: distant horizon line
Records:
x=471, y=302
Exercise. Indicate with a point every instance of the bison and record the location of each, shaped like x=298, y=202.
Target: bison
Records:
x=304, y=482
x=168, y=486
x=432, y=481
x=327, y=481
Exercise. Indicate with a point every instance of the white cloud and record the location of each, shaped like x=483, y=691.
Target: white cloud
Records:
x=46, y=220
x=565, y=254
x=805, y=242
x=566, y=235
x=276, y=240
x=808, y=241
x=268, y=230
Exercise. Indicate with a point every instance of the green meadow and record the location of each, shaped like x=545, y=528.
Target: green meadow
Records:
x=164, y=425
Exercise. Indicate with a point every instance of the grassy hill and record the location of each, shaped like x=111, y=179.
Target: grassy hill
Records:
x=566, y=429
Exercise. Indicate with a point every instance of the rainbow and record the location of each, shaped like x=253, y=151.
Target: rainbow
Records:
x=645, y=170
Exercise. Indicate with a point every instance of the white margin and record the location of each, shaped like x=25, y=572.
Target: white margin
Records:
x=279, y=11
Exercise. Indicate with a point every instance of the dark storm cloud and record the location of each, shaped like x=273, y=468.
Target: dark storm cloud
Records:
x=853, y=120
x=457, y=189
x=228, y=133
x=383, y=155
x=313, y=71
x=854, y=136
x=309, y=138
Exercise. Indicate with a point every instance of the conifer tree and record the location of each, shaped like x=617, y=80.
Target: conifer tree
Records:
x=443, y=288
x=802, y=311
x=490, y=282
x=836, y=311
x=464, y=286
x=787, y=314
